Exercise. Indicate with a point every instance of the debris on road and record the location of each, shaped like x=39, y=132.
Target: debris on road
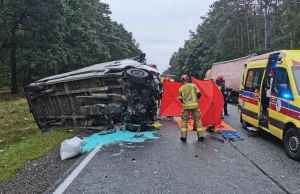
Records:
x=216, y=139
x=157, y=125
x=116, y=137
x=110, y=131
x=71, y=148
x=119, y=153
x=231, y=135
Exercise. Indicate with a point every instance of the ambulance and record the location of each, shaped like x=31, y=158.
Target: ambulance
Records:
x=269, y=97
x=207, y=75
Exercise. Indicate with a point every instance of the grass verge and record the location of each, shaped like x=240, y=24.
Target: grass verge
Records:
x=16, y=122
x=20, y=138
x=13, y=158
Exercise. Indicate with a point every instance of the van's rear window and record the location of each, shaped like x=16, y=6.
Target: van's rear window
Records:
x=296, y=71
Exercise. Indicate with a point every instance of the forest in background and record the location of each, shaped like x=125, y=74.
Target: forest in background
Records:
x=237, y=28
x=39, y=38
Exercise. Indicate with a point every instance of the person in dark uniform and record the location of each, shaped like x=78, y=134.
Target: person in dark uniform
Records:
x=220, y=81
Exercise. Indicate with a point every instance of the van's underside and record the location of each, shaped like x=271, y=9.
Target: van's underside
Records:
x=99, y=101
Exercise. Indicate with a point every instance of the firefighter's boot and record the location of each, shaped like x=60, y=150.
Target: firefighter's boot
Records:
x=200, y=135
x=183, y=136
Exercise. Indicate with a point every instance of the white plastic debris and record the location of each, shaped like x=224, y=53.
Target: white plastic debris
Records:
x=71, y=147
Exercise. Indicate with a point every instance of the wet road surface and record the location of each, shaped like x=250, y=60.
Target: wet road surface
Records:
x=166, y=165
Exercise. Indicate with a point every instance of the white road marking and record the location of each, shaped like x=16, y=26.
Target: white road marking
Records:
x=75, y=173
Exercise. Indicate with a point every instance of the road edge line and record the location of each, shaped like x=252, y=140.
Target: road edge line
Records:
x=61, y=189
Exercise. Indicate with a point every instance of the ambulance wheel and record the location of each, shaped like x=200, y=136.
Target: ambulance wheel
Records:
x=291, y=142
x=244, y=123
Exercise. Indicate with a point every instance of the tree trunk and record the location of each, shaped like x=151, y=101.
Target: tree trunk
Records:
x=56, y=68
x=237, y=39
x=247, y=25
x=13, y=71
x=254, y=29
x=29, y=76
x=254, y=34
x=292, y=40
x=266, y=27
x=242, y=40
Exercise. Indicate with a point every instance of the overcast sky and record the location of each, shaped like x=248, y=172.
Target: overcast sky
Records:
x=160, y=26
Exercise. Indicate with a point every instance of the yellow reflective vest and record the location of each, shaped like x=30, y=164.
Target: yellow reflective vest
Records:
x=188, y=94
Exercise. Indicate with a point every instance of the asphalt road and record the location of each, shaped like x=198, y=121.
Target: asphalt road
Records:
x=166, y=165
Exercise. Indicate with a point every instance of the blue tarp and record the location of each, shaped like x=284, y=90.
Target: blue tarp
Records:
x=230, y=135
x=117, y=137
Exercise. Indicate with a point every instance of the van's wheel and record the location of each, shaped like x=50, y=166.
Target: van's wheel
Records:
x=136, y=75
x=244, y=123
x=291, y=142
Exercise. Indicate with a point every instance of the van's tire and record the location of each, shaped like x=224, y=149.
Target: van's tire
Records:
x=35, y=87
x=291, y=142
x=136, y=75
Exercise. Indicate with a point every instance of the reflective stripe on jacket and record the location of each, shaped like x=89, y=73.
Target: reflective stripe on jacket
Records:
x=188, y=94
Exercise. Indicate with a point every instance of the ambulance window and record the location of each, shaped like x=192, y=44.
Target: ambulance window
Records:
x=253, y=80
x=281, y=77
x=243, y=78
x=296, y=71
x=249, y=80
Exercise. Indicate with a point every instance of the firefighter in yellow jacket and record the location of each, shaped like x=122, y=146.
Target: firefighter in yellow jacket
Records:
x=189, y=95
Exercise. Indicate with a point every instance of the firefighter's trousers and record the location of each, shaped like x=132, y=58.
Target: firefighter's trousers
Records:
x=185, y=119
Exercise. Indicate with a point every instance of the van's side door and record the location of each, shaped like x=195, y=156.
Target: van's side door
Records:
x=251, y=96
x=279, y=105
